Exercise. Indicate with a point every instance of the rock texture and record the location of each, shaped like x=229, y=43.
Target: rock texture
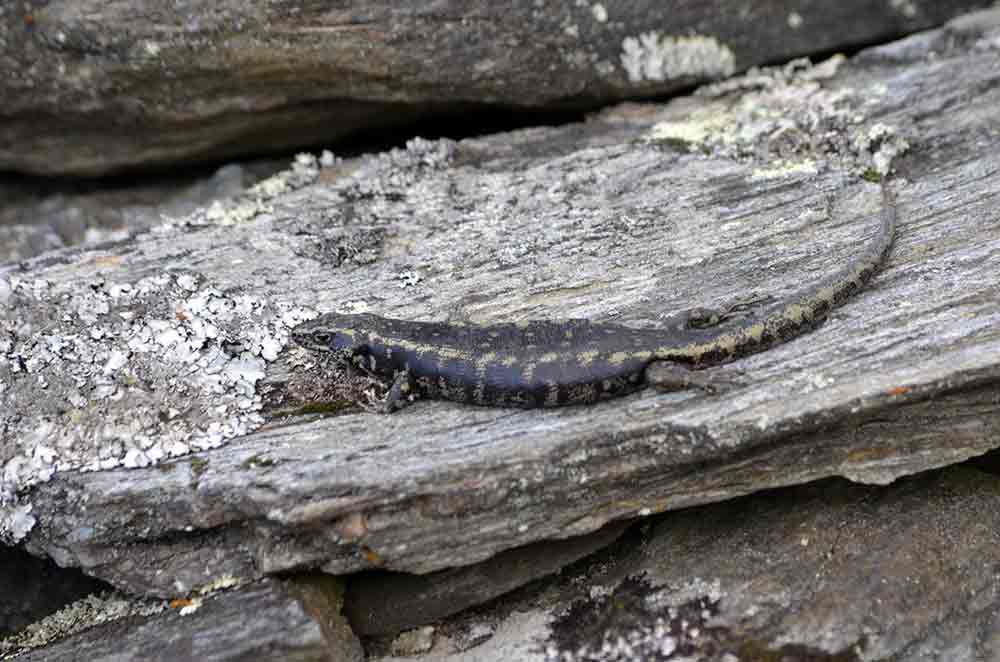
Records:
x=126, y=369
x=381, y=603
x=848, y=569
x=158, y=431
x=829, y=572
x=258, y=622
x=92, y=87
x=39, y=215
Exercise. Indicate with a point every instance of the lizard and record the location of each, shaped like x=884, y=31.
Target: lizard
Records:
x=547, y=363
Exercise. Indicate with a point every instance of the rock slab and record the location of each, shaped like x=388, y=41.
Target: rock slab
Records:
x=92, y=87
x=137, y=443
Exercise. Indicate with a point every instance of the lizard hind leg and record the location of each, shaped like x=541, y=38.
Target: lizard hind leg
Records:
x=694, y=318
x=667, y=377
x=704, y=318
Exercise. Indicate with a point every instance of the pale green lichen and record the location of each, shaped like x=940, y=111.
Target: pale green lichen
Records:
x=781, y=168
x=696, y=129
x=784, y=121
x=78, y=616
x=219, y=584
x=652, y=57
x=96, y=609
x=254, y=201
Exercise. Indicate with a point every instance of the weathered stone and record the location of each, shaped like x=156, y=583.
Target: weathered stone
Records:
x=38, y=216
x=138, y=354
x=257, y=622
x=907, y=573
x=829, y=572
x=92, y=87
x=322, y=597
x=384, y=603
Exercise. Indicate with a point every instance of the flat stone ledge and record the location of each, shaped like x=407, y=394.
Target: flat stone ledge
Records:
x=161, y=475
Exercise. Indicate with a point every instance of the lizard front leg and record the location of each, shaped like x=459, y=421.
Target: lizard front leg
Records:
x=402, y=392
x=403, y=389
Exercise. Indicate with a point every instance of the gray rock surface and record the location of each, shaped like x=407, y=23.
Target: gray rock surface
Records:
x=876, y=572
x=125, y=371
x=381, y=603
x=92, y=87
x=826, y=572
x=37, y=215
x=829, y=572
x=262, y=621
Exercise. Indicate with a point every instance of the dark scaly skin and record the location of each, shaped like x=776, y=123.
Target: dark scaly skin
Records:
x=552, y=363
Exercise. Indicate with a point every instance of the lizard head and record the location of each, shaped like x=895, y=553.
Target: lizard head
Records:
x=332, y=332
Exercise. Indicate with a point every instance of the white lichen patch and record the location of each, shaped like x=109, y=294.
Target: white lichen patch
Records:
x=882, y=143
x=81, y=615
x=192, y=606
x=328, y=159
x=381, y=176
x=414, y=642
x=129, y=374
x=691, y=590
x=652, y=57
x=220, y=584
x=20, y=521
x=408, y=278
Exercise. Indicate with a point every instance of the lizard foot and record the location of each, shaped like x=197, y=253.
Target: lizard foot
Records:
x=401, y=394
x=667, y=377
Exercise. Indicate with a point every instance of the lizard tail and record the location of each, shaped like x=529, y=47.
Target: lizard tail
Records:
x=800, y=313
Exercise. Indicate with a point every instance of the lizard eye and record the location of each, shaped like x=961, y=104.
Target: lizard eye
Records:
x=322, y=337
